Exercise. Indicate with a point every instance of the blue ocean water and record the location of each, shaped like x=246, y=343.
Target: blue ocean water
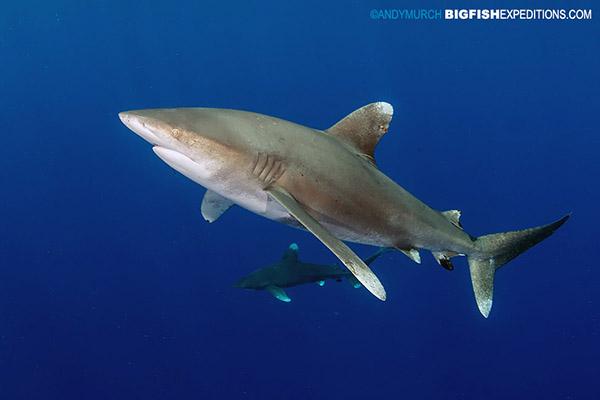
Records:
x=113, y=287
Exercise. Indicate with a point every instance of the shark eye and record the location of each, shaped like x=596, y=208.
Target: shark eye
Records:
x=175, y=133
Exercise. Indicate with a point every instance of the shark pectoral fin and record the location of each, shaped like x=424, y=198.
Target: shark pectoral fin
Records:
x=413, y=254
x=320, y=283
x=214, y=205
x=278, y=293
x=354, y=264
x=364, y=127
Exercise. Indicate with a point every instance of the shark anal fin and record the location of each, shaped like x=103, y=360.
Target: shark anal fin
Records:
x=214, y=205
x=354, y=264
x=364, y=127
x=413, y=254
x=278, y=293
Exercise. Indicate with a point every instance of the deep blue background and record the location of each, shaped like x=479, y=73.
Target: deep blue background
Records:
x=113, y=286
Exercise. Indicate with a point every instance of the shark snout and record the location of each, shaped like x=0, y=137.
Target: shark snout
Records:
x=143, y=126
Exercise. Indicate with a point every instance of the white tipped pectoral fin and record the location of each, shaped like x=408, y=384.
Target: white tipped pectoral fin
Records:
x=214, y=205
x=354, y=264
x=278, y=293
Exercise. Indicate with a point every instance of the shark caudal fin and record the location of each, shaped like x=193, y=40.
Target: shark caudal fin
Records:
x=497, y=249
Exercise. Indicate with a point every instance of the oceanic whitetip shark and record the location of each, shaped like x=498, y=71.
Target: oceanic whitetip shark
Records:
x=290, y=271
x=324, y=181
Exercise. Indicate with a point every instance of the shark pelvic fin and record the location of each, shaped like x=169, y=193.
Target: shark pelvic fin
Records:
x=214, y=205
x=453, y=216
x=278, y=293
x=354, y=264
x=364, y=127
x=413, y=254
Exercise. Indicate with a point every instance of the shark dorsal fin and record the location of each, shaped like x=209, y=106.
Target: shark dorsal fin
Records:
x=364, y=127
x=453, y=216
x=291, y=254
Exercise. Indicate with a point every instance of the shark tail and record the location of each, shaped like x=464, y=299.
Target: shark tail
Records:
x=497, y=249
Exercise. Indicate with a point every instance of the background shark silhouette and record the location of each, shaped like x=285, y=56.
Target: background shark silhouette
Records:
x=290, y=271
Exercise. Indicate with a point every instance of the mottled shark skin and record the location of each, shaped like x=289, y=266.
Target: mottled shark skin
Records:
x=324, y=181
x=290, y=271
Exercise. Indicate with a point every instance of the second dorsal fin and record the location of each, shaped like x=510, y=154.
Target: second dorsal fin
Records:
x=453, y=216
x=364, y=127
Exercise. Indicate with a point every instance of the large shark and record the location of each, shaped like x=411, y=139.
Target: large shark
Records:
x=290, y=271
x=324, y=181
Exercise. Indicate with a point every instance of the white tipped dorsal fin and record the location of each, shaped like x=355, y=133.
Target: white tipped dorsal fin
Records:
x=364, y=127
x=291, y=254
x=214, y=205
x=453, y=216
